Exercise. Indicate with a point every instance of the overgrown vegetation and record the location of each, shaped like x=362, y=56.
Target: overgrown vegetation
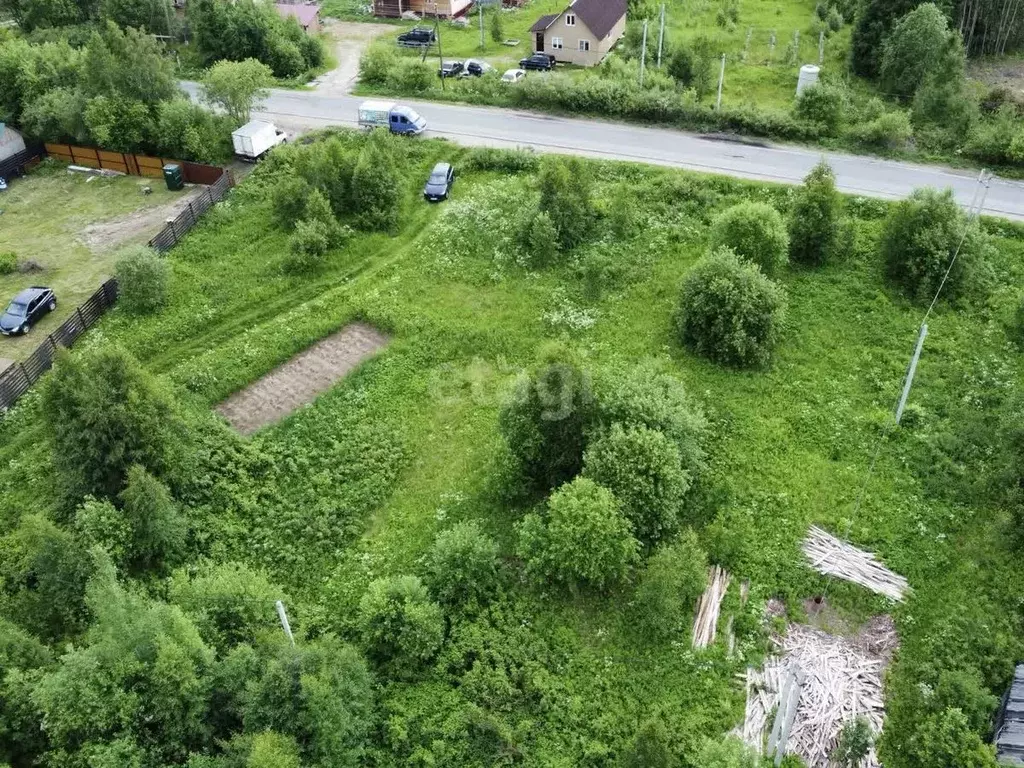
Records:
x=403, y=517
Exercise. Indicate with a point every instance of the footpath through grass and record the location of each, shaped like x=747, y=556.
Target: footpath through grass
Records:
x=356, y=486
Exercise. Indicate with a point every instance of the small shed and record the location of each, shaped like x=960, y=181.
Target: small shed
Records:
x=307, y=14
x=1009, y=739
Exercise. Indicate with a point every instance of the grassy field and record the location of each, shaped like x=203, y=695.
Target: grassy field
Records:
x=357, y=485
x=47, y=218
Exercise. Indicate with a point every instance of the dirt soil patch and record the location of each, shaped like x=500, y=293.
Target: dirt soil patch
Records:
x=350, y=38
x=1000, y=73
x=300, y=380
x=139, y=225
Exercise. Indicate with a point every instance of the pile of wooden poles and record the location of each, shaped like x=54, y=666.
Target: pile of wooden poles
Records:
x=705, y=623
x=840, y=682
x=832, y=557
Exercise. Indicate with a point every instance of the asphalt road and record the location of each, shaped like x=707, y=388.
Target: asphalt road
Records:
x=855, y=174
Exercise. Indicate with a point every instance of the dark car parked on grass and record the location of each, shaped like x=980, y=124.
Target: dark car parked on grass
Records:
x=450, y=69
x=538, y=61
x=439, y=185
x=27, y=308
x=417, y=37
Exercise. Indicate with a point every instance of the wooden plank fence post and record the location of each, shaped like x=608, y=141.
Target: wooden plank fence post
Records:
x=209, y=194
x=192, y=212
x=81, y=317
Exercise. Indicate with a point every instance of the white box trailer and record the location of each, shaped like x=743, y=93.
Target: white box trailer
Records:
x=255, y=139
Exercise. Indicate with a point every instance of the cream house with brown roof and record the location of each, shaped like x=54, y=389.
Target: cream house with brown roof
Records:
x=581, y=34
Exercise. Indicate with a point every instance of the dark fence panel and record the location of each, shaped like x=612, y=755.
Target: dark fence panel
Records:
x=16, y=380
x=17, y=164
x=177, y=228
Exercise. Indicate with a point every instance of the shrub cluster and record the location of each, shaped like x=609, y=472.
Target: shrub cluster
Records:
x=753, y=231
x=815, y=220
x=730, y=312
x=143, y=278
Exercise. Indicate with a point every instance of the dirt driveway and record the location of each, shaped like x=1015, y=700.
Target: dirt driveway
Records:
x=137, y=226
x=350, y=38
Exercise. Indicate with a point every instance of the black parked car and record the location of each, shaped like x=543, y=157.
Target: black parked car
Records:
x=417, y=37
x=450, y=69
x=538, y=61
x=27, y=308
x=440, y=183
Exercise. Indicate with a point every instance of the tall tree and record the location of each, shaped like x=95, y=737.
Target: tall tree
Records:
x=874, y=20
x=237, y=87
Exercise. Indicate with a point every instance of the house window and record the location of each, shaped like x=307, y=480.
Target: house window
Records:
x=584, y=45
x=556, y=43
x=570, y=20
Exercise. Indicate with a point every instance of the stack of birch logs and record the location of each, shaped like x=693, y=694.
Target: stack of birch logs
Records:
x=832, y=557
x=705, y=623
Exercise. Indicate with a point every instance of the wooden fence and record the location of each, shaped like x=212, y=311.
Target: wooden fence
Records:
x=16, y=380
x=133, y=165
x=176, y=228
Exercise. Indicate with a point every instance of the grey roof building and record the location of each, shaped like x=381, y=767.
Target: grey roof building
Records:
x=1009, y=739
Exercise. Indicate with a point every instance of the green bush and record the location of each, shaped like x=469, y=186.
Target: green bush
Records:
x=307, y=246
x=946, y=740
x=544, y=422
x=730, y=312
x=992, y=140
x=273, y=750
x=675, y=576
x=376, y=186
x=565, y=196
x=753, y=231
x=919, y=238
x=320, y=693
x=230, y=603
x=854, y=743
x=824, y=104
x=814, y=222
x=401, y=627
x=729, y=752
x=650, y=747
x=8, y=263
x=462, y=566
x=643, y=469
x=1017, y=323
x=288, y=198
x=890, y=130
x=834, y=19
x=642, y=395
x=411, y=76
x=376, y=63
x=142, y=280
x=540, y=241
x=502, y=160
x=584, y=539
x=105, y=413
x=158, y=528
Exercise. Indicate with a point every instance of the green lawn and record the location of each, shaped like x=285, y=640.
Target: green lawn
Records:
x=357, y=485
x=45, y=218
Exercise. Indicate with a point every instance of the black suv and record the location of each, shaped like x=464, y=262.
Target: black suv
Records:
x=27, y=308
x=450, y=69
x=417, y=37
x=439, y=185
x=538, y=61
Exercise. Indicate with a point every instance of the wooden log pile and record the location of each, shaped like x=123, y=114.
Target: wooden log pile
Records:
x=832, y=557
x=841, y=682
x=705, y=623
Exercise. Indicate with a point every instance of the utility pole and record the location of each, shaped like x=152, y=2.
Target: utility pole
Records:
x=284, y=622
x=482, y=46
x=661, y=35
x=771, y=48
x=643, y=56
x=721, y=79
x=910, y=372
x=821, y=47
x=440, y=55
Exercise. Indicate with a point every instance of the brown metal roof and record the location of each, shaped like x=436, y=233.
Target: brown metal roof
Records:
x=544, y=22
x=600, y=16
